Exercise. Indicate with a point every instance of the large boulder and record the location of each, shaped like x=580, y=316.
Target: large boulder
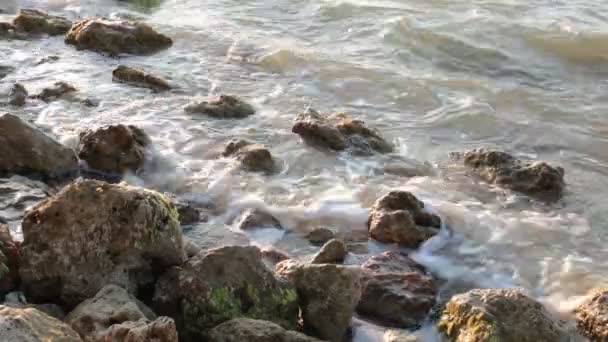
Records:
x=27, y=151
x=396, y=291
x=113, y=315
x=114, y=149
x=339, y=132
x=31, y=325
x=399, y=217
x=499, y=315
x=38, y=22
x=9, y=261
x=221, y=284
x=222, y=107
x=92, y=234
x=592, y=316
x=253, y=157
x=139, y=78
x=116, y=37
x=536, y=179
x=327, y=294
x=253, y=330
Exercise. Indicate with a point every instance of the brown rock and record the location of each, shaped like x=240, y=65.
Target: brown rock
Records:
x=536, y=179
x=7, y=30
x=253, y=157
x=27, y=151
x=114, y=149
x=222, y=107
x=138, y=78
x=320, y=236
x=251, y=330
x=188, y=213
x=274, y=256
x=92, y=234
x=56, y=91
x=161, y=329
x=38, y=22
x=499, y=315
x=31, y=325
x=398, y=217
x=9, y=261
x=17, y=95
x=592, y=316
x=257, y=218
x=116, y=37
x=392, y=262
x=333, y=252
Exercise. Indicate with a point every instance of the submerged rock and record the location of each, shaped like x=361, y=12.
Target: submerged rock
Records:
x=222, y=284
x=92, y=234
x=114, y=149
x=499, y=315
x=138, y=78
x=9, y=261
x=56, y=91
x=39, y=22
x=17, y=95
x=27, y=151
x=222, y=107
x=31, y=325
x=333, y=252
x=252, y=330
x=327, y=294
x=116, y=37
x=396, y=291
x=319, y=236
x=257, y=218
x=5, y=69
x=253, y=157
x=339, y=132
x=399, y=217
x=592, y=316
x=7, y=30
x=536, y=179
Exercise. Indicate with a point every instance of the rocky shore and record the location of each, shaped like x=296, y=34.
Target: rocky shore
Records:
x=102, y=260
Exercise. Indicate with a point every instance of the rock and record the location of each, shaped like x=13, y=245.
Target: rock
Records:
x=592, y=316
x=536, y=179
x=221, y=284
x=92, y=234
x=274, y=256
x=31, y=325
x=252, y=330
x=115, y=37
x=5, y=69
x=138, y=78
x=7, y=30
x=188, y=214
x=27, y=151
x=161, y=329
x=333, y=252
x=114, y=149
x=47, y=59
x=253, y=157
x=319, y=236
x=9, y=261
x=38, y=22
x=222, y=107
x=499, y=315
x=327, y=294
x=338, y=133
x=89, y=102
x=257, y=218
x=17, y=95
x=209, y=236
x=57, y=91
x=400, y=336
x=392, y=262
x=399, y=217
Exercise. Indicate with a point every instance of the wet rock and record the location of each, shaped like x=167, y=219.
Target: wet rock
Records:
x=114, y=149
x=27, y=151
x=4, y=69
x=38, y=22
x=209, y=236
x=18, y=194
x=327, y=294
x=138, y=78
x=115, y=37
x=396, y=291
x=222, y=107
x=9, y=261
x=89, y=102
x=499, y=315
x=17, y=95
x=7, y=30
x=253, y=157
x=47, y=59
x=333, y=252
x=536, y=179
x=592, y=316
x=188, y=213
x=257, y=218
x=31, y=325
x=221, y=284
x=161, y=329
x=92, y=234
x=400, y=336
x=399, y=217
x=274, y=256
x=338, y=133
x=320, y=236
x=252, y=330
x=56, y=91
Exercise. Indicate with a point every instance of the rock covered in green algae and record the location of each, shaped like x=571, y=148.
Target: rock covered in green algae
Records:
x=492, y=315
x=92, y=234
x=221, y=284
x=252, y=330
x=38, y=22
x=32, y=325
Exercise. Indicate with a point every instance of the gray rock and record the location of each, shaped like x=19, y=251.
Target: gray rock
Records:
x=31, y=325
x=17, y=95
x=320, y=236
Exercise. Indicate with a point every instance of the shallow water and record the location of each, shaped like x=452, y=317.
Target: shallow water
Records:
x=434, y=77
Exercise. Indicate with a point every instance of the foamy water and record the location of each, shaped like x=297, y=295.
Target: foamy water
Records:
x=433, y=76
